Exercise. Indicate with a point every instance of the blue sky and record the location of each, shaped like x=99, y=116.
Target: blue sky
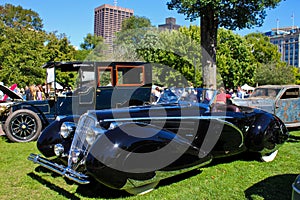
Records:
x=75, y=18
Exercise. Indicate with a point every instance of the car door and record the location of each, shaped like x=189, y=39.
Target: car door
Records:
x=288, y=107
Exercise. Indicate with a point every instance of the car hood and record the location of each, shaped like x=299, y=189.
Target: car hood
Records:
x=11, y=94
x=266, y=104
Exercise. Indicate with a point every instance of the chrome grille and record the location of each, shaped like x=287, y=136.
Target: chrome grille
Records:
x=80, y=147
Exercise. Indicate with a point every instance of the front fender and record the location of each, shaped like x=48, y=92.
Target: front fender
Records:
x=266, y=134
x=50, y=136
x=135, y=151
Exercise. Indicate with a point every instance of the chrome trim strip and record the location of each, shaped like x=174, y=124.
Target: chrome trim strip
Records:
x=295, y=188
x=165, y=118
x=59, y=169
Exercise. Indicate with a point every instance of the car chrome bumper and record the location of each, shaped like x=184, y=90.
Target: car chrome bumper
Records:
x=60, y=169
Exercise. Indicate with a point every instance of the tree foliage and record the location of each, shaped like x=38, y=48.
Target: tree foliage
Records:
x=235, y=61
x=24, y=47
x=135, y=22
x=270, y=69
x=231, y=14
x=263, y=50
x=275, y=73
x=92, y=48
x=18, y=17
x=176, y=54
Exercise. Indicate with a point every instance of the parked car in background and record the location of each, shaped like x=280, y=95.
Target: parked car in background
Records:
x=133, y=148
x=100, y=85
x=280, y=100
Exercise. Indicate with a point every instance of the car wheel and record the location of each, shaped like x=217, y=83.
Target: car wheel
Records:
x=269, y=157
x=142, y=189
x=23, y=126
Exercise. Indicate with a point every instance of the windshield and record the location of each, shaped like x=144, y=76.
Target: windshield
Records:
x=265, y=92
x=193, y=95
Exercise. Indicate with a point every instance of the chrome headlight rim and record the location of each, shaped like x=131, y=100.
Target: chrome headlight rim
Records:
x=59, y=150
x=93, y=133
x=67, y=129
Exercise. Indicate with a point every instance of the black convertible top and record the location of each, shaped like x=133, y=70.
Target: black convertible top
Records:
x=76, y=65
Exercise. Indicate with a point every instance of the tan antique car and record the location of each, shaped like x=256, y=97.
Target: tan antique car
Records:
x=281, y=100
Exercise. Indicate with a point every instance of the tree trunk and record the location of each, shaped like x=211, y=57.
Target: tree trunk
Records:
x=209, y=30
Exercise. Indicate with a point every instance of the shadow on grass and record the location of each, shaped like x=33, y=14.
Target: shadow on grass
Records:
x=5, y=138
x=179, y=177
x=97, y=190
x=92, y=190
x=294, y=139
x=52, y=186
x=245, y=156
x=277, y=187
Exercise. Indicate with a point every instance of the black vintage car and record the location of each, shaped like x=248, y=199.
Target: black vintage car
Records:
x=100, y=85
x=134, y=148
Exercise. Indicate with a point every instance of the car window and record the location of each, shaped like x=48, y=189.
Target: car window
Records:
x=291, y=93
x=130, y=75
x=105, y=76
x=265, y=92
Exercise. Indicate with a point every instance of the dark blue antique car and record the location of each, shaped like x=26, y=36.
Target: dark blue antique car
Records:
x=281, y=100
x=100, y=85
x=133, y=148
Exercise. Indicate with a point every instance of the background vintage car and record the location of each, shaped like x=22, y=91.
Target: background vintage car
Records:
x=281, y=100
x=134, y=148
x=128, y=82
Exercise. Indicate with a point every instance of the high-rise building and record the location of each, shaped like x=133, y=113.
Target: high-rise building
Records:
x=287, y=40
x=108, y=20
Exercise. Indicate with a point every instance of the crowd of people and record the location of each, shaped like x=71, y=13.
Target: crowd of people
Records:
x=223, y=95
x=36, y=92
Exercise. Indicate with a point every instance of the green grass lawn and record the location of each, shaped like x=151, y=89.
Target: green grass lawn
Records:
x=237, y=177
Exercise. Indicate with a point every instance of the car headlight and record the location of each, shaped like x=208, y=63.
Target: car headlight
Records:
x=90, y=136
x=67, y=129
x=59, y=149
x=92, y=133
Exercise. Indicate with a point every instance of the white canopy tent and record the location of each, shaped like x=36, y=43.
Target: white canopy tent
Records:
x=247, y=87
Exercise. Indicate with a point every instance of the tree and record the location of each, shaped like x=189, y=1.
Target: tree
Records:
x=135, y=22
x=263, y=50
x=18, y=17
x=174, y=53
x=24, y=47
x=58, y=48
x=21, y=55
x=275, y=73
x=270, y=69
x=296, y=72
x=235, y=61
x=91, y=41
x=92, y=48
x=230, y=14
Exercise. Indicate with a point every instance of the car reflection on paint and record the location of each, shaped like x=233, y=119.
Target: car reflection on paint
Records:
x=133, y=148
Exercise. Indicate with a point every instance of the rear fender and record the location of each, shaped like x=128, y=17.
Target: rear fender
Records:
x=266, y=134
